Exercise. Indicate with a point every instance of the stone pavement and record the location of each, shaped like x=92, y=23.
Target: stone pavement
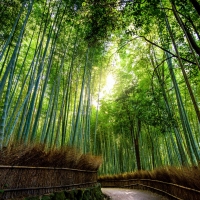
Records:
x=131, y=194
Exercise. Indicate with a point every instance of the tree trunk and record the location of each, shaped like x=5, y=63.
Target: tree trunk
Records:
x=179, y=142
x=136, y=141
x=196, y=5
x=186, y=31
x=137, y=153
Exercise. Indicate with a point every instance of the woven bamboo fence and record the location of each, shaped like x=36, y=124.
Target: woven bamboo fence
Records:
x=173, y=191
x=22, y=181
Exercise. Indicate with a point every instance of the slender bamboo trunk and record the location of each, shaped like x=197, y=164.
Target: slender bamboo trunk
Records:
x=192, y=43
x=183, y=70
x=10, y=70
x=170, y=113
x=77, y=123
x=196, y=5
x=12, y=60
x=191, y=143
x=49, y=65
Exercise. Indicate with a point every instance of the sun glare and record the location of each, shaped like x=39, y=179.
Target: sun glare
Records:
x=110, y=82
x=107, y=89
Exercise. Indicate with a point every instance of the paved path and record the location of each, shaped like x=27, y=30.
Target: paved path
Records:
x=130, y=194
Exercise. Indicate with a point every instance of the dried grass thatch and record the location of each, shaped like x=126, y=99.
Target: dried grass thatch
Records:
x=184, y=176
x=38, y=156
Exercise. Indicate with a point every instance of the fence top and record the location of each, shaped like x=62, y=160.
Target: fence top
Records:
x=47, y=168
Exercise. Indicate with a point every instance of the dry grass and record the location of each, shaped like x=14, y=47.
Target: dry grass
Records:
x=38, y=156
x=185, y=176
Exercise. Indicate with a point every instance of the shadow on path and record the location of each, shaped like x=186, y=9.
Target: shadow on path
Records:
x=131, y=194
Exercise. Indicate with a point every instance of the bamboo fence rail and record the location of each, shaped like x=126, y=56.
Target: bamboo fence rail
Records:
x=22, y=181
x=171, y=190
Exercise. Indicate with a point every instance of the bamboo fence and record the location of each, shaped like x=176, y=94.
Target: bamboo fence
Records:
x=23, y=181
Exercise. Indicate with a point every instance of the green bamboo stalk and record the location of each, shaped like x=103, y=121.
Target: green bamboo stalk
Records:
x=97, y=110
x=75, y=134
x=170, y=113
x=9, y=70
x=49, y=65
x=12, y=32
x=13, y=58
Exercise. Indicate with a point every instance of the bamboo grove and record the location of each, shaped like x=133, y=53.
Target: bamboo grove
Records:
x=54, y=60
x=46, y=76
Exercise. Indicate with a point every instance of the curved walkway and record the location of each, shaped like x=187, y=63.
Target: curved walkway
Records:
x=131, y=194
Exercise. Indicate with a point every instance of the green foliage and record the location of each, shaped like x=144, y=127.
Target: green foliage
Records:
x=101, y=20
x=59, y=196
x=93, y=193
x=8, y=12
x=46, y=197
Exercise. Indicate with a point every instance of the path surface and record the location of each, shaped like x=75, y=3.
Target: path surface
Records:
x=130, y=194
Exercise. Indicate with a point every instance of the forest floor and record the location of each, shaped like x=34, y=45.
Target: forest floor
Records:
x=130, y=194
